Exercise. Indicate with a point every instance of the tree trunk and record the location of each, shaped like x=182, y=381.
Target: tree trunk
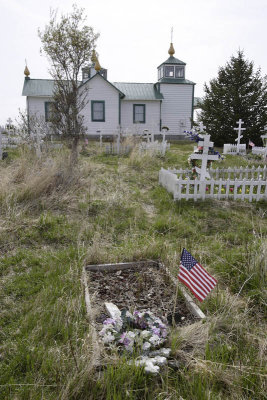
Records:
x=74, y=151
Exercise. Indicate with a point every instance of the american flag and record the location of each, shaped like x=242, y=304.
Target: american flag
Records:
x=195, y=277
x=250, y=143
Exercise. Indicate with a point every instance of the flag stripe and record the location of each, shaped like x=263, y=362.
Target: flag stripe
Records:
x=194, y=285
x=192, y=290
x=194, y=282
x=213, y=280
x=208, y=278
x=195, y=277
x=199, y=277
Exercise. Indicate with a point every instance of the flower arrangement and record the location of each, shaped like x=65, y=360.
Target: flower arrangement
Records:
x=140, y=331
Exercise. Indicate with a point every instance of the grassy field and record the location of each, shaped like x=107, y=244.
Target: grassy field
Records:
x=110, y=209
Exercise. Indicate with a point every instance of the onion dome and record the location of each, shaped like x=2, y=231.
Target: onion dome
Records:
x=171, y=50
x=26, y=71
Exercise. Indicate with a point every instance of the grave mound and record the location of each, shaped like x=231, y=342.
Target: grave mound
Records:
x=145, y=286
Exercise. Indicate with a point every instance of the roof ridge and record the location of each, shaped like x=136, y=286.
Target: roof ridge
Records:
x=138, y=83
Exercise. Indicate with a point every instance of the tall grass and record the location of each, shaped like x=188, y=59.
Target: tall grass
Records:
x=55, y=220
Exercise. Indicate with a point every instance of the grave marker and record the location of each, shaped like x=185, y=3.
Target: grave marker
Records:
x=239, y=130
x=202, y=128
x=206, y=144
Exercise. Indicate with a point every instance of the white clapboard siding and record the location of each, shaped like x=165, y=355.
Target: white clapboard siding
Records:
x=176, y=110
x=152, y=117
x=236, y=189
x=36, y=105
x=101, y=90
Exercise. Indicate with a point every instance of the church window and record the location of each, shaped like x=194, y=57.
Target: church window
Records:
x=139, y=113
x=98, y=111
x=179, y=72
x=169, y=71
x=48, y=111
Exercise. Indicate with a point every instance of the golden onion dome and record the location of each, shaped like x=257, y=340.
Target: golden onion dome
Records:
x=97, y=65
x=171, y=50
x=26, y=71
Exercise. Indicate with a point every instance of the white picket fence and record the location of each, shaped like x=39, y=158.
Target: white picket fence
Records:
x=154, y=147
x=232, y=148
x=228, y=173
x=261, y=151
x=236, y=189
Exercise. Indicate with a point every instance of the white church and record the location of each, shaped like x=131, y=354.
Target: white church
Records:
x=128, y=107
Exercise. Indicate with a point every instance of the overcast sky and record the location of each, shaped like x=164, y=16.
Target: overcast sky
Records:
x=134, y=39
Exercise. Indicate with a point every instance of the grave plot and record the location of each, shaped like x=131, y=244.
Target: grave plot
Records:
x=143, y=286
x=200, y=184
x=237, y=148
x=131, y=307
x=154, y=146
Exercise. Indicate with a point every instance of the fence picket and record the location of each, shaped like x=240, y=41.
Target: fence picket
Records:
x=250, y=189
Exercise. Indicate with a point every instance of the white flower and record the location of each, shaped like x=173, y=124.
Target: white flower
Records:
x=146, y=346
x=108, y=337
x=131, y=334
x=145, y=334
x=155, y=340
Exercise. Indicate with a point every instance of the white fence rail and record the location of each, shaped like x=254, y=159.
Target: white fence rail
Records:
x=259, y=151
x=236, y=189
x=232, y=148
x=154, y=147
x=228, y=173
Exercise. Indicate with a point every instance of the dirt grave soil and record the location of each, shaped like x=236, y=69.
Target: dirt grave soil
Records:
x=142, y=288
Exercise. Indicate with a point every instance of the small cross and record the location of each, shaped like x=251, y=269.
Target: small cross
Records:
x=204, y=157
x=201, y=127
x=206, y=143
x=239, y=129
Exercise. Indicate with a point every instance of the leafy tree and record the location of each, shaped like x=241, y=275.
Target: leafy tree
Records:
x=237, y=92
x=68, y=44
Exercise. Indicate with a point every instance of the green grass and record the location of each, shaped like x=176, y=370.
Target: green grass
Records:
x=111, y=209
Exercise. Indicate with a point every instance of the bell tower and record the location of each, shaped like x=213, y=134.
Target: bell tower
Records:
x=172, y=69
x=93, y=68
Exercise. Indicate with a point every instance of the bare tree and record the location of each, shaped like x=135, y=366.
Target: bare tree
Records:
x=68, y=44
x=32, y=130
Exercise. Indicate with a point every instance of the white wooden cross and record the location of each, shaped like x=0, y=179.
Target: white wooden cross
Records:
x=204, y=157
x=201, y=127
x=147, y=135
x=164, y=131
x=118, y=141
x=239, y=129
x=38, y=142
x=100, y=137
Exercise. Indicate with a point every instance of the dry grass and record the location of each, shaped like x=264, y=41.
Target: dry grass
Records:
x=53, y=221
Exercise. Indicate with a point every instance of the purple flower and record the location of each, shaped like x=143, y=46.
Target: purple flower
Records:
x=109, y=321
x=164, y=333
x=156, y=331
x=124, y=339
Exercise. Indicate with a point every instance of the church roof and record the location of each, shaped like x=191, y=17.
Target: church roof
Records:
x=139, y=91
x=132, y=91
x=38, y=87
x=172, y=60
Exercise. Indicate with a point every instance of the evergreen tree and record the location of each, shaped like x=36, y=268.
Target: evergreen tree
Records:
x=237, y=92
